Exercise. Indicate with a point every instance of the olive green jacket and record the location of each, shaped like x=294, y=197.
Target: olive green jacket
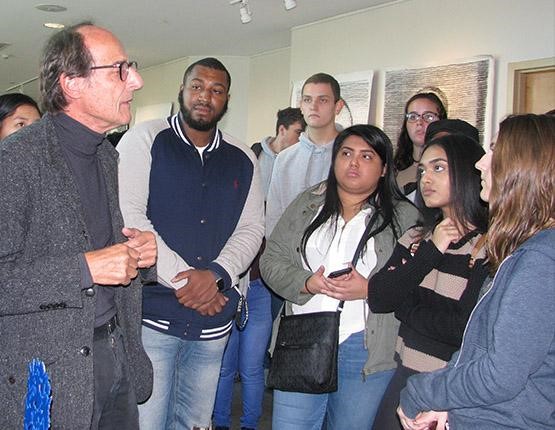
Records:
x=282, y=269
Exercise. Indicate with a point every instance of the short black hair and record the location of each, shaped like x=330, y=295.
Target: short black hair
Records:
x=211, y=63
x=452, y=126
x=324, y=78
x=289, y=116
x=10, y=102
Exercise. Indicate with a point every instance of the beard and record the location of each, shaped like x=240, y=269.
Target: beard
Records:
x=196, y=124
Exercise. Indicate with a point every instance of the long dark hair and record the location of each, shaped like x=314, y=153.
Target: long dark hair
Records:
x=381, y=200
x=403, y=155
x=464, y=182
x=10, y=102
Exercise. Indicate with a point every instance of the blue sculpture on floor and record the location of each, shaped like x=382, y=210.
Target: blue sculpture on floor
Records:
x=39, y=399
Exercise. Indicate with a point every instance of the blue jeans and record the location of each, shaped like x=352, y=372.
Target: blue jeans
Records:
x=185, y=379
x=245, y=353
x=352, y=406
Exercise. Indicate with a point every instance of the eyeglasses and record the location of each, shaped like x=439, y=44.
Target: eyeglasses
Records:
x=123, y=67
x=426, y=116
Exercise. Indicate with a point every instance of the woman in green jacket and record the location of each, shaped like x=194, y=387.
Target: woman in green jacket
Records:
x=318, y=234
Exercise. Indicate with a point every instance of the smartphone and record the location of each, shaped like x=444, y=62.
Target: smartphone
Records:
x=340, y=272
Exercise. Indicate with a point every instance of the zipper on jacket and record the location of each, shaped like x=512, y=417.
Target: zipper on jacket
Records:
x=476, y=307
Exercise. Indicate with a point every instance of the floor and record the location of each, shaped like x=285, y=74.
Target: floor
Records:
x=265, y=422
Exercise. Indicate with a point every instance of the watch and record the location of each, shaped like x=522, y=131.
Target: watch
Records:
x=221, y=285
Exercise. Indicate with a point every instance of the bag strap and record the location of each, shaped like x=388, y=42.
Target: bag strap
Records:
x=361, y=243
x=364, y=238
x=257, y=149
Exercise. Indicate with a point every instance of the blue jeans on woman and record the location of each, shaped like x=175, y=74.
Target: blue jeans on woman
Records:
x=245, y=353
x=352, y=406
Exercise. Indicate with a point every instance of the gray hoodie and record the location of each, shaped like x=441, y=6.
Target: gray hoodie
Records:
x=266, y=161
x=295, y=169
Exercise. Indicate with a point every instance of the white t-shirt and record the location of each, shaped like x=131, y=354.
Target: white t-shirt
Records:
x=334, y=249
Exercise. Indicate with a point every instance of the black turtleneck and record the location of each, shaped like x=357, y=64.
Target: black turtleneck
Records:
x=79, y=146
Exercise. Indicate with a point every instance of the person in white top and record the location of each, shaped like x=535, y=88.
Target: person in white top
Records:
x=318, y=234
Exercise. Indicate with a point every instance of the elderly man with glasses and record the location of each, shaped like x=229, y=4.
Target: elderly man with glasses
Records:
x=69, y=270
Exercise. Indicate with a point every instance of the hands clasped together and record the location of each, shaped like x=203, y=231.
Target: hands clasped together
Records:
x=118, y=264
x=200, y=292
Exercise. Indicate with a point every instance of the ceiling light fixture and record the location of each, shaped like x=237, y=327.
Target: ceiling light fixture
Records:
x=50, y=8
x=244, y=11
x=54, y=25
x=289, y=4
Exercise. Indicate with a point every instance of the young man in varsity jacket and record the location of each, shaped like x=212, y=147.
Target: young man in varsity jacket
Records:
x=201, y=195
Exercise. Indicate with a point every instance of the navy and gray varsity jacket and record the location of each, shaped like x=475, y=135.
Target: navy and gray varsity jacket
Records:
x=206, y=212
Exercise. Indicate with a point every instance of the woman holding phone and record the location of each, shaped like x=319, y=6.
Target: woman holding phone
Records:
x=317, y=235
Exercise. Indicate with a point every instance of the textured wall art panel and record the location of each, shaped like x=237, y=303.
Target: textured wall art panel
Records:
x=466, y=86
x=356, y=91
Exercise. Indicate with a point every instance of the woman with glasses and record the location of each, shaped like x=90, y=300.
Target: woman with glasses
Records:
x=16, y=111
x=421, y=109
x=503, y=377
x=435, y=273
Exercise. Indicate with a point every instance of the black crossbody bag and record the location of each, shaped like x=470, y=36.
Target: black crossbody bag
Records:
x=305, y=353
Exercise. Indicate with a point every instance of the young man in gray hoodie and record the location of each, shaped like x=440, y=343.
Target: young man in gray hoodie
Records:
x=307, y=163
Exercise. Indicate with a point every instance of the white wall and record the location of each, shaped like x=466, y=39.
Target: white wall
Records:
x=405, y=34
x=161, y=84
x=269, y=91
x=418, y=33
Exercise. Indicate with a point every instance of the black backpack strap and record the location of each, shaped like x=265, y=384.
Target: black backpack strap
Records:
x=257, y=149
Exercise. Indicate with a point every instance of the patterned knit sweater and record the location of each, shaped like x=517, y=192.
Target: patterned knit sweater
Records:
x=431, y=293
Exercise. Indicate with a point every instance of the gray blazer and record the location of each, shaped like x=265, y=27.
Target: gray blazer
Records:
x=44, y=312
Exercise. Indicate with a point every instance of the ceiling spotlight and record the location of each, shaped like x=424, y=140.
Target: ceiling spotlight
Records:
x=244, y=10
x=290, y=4
x=53, y=25
x=51, y=8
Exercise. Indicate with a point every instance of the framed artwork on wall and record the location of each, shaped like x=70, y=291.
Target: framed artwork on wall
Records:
x=466, y=87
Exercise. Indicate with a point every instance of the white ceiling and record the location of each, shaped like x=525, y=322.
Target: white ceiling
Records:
x=155, y=32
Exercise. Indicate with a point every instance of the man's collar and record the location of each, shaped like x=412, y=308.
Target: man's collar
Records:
x=67, y=121
x=177, y=126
